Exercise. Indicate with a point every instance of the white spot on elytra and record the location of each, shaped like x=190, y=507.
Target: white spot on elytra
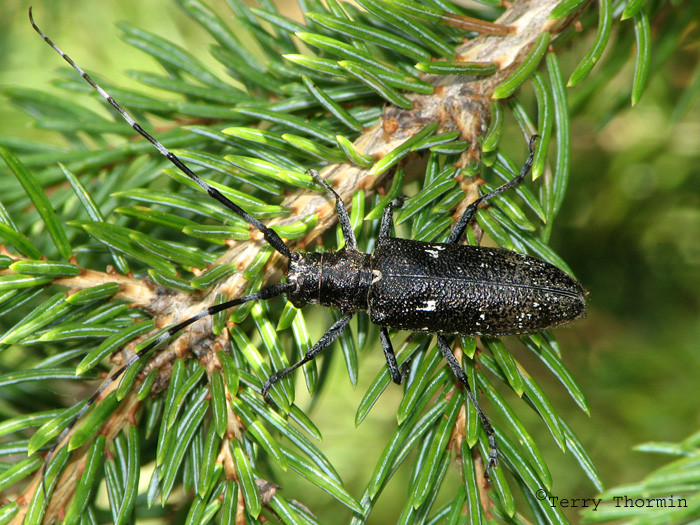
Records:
x=429, y=306
x=377, y=275
x=433, y=253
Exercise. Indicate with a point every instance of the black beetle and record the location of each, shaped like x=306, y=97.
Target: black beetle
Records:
x=441, y=288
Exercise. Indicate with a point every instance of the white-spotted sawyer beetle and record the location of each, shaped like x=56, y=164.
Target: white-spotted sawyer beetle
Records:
x=442, y=288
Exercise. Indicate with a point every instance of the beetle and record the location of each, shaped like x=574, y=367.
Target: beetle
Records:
x=441, y=288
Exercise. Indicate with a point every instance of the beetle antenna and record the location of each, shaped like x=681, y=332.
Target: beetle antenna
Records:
x=266, y=293
x=271, y=237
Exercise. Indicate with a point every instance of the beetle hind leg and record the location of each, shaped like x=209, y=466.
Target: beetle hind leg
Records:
x=446, y=352
x=469, y=213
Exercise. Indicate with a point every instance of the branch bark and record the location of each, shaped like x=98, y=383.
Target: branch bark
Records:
x=458, y=103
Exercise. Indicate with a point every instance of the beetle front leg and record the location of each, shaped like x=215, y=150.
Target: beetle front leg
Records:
x=446, y=352
x=323, y=343
x=397, y=374
x=387, y=216
x=343, y=217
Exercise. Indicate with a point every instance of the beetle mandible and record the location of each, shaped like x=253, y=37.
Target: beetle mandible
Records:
x=441, y=288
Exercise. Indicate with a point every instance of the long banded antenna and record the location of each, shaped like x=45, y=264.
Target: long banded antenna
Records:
x=266, y=293
x=271, y=237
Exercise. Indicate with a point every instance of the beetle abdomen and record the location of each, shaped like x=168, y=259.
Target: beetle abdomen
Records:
x=448, y=288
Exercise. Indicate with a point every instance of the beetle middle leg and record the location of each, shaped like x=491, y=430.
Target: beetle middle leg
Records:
x=387, y=215
x=398, y=374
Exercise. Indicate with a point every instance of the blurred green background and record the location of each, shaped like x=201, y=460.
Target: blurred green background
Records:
x=629, y=228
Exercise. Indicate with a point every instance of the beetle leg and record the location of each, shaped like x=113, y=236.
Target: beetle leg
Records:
x=397, y=374
x=385, y=226
x=469, y=213
x=343, y=217
x=323, y=343
x=446, y=352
